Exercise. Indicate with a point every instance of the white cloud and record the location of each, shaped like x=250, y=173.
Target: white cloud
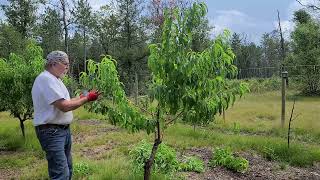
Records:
x=230, y=19
x=237, y=21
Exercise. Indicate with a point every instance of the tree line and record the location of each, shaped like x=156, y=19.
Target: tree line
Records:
x=125, y=28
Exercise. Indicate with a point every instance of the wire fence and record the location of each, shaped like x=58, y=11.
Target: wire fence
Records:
x=295, y=71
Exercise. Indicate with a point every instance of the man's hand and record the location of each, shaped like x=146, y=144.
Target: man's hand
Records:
x=91, y=96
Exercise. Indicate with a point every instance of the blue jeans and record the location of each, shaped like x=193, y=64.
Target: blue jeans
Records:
x=56, y=142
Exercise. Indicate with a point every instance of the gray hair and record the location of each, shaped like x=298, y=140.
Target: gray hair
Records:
x=55, y=56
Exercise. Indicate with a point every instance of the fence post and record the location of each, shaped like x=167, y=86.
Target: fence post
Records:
x=283, y=96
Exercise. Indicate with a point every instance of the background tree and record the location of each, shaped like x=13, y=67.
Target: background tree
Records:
x=248, y=54
x=306, y=51
x=11, y=41
x=270, y=45
x=76, y=52
x=84, y=21
x=50, y=31
x=106, y=27
x=133, y=54
x=21, y=15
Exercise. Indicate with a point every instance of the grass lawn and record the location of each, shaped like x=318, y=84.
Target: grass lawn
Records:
x=101, y=151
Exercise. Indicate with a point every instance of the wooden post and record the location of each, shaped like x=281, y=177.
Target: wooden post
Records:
x=283, y=96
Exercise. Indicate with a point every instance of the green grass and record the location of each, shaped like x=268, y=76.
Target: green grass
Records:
x=82, y=114
x=11, y=138
x=183, y=136
x=262, y=111
x=17, y=160
x=252, y=124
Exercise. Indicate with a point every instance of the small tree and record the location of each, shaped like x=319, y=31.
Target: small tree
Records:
x=17, y=75
x=187, y=84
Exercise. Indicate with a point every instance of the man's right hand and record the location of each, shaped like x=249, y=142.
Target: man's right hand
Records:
x=93, y=95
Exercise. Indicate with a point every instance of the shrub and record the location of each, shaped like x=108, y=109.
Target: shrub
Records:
x=82, y=169
x=263, y=85
x=192, y=164
x=224, y=157
x=165, y=160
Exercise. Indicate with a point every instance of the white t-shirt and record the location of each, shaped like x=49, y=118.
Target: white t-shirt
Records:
x=47, y=89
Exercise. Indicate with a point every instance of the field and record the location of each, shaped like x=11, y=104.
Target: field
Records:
x=250, y=129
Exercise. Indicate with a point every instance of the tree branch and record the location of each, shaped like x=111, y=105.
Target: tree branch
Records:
x=313, y=7
x=171, y=120
x=296, y=117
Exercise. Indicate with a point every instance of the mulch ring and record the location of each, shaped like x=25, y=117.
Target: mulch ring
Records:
x=259, y=168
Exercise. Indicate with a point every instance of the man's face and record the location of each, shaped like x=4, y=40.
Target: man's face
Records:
x=62, y=67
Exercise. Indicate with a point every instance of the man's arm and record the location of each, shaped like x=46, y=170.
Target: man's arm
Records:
x=74, y=103
x=69, y=105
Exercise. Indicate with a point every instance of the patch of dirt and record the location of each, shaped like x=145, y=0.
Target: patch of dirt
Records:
x=97, y=152
x=259, y=168
x=91, y=122
x=6, y=174
x=109, y=129
x=80, y=138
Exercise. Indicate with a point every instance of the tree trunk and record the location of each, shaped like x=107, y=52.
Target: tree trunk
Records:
x=85, y=50
x=283, y=53
x=65, y=25
x=136, y=88
x=148, y=164
x=22, y=128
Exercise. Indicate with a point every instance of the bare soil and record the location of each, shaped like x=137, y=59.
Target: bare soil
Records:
x=259, y=168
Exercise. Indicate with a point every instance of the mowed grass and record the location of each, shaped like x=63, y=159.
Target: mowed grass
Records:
x=252, y=124
x=262, y=113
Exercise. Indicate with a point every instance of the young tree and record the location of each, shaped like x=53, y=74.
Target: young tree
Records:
x=201, y=37
x=187, y=84
x=17, y=75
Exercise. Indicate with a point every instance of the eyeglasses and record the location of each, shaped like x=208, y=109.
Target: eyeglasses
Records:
x=64, y=63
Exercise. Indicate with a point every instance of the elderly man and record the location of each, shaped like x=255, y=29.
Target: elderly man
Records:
x=53, y=114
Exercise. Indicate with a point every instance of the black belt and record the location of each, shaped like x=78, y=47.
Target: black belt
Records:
x=46, y=126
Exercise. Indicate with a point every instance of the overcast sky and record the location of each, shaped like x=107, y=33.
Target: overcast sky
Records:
x=252, y=17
